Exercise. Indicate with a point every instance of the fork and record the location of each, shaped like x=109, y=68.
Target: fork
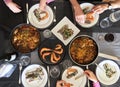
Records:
x=20, y=69
x=54, y=14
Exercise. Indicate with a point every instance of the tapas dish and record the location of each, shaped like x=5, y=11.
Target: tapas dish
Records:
x=73, y=75
x=107, y=72
x=40, y=19
x=51, y=53
x=91, y=17
x=65, y=30
x=83, y=50
x=25, y=38
x=34, y=76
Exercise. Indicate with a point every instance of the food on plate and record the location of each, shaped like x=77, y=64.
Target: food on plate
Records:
x=54, y=54
x=89, y=17
x=40, y=15
x=25, y=38
x=66, y=32
x=108, y=70
x=68, y=84
x=35, y=75
x=83, y=50
x=71, y=72
x=86, y=10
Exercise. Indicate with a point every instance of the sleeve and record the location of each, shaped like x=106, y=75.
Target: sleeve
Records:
x=96, y=84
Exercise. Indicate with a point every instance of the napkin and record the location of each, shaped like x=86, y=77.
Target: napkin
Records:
x=6, y=70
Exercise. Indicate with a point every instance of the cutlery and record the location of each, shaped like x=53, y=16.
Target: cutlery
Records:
x=20, y=69
x=54, y=14
x=99, y=67
x=48, y=69
x=87, y=78
x=79, y=76
x=27, y=13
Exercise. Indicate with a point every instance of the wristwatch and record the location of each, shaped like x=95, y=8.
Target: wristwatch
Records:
x=109, y=6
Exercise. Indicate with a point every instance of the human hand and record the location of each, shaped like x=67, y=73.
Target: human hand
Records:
x=42, y=5
x=79, y=15
x=13, y=6
x=62, y=83
x=91, y=75
x=100, y=8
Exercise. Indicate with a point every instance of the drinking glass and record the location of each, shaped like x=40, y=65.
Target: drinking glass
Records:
x=24, y=60
x=66, y=63
x=105, y=23
x=54, y=71
x=47, y=33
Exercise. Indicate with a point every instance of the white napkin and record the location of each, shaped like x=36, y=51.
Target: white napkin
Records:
x=5, y=70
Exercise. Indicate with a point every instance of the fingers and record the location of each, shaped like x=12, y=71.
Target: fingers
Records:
x=14, y=7
x=80, y=19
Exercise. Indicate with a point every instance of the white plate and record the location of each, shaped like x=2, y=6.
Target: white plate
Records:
x=80, y=82
x=96, y=16
x=44, y=23
x=32, y=67
x=100, y=72
x=65, y=21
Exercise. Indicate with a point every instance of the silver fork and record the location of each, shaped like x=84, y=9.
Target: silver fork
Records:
x=48, y=69
x=54, y=14
x=88, y=79
x=20, y=69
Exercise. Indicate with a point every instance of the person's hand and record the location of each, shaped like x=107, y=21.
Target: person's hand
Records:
x=62, y=83
x=100, y=8
x=79, y=15
x=42, y=5
x=91, y=75
x=13, y=6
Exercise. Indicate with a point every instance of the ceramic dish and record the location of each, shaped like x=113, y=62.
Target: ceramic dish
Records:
x=36, y=83
x=43, y=23
x=88, y=7
x=65, y=30
x=80, y=82
x=101, y=72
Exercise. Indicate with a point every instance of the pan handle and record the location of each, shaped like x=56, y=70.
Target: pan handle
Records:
x=108, y=56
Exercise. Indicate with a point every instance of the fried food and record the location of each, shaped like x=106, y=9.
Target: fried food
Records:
x=54, y=54
x=25, y=38
x=66, y=32
x=89, y=17
x=71, y=72
x=40, y=15
x=83, y=50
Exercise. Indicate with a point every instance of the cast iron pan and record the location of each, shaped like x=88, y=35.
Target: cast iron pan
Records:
x=48, y=46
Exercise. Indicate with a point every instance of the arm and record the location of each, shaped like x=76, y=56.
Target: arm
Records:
x=103, y=7
x=79, y=15
x=42, y=4
x=13, y=6
x=92, y=77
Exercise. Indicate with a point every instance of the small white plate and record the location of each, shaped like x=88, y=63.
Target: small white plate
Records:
x=80, y=82
x=96, y=16
x=30, y=68
x=44, y=23
x=65, y=21
x=101, y=75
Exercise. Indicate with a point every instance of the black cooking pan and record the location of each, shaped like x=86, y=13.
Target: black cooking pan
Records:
x=25, y=38
x=83, y=50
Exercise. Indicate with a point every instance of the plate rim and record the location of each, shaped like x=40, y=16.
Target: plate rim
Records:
x=37, y=25
x=35, y=65
x=118, y=74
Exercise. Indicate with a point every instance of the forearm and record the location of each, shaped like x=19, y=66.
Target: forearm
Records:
x=74, y=3
x=43, y=2
x=114, y=3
